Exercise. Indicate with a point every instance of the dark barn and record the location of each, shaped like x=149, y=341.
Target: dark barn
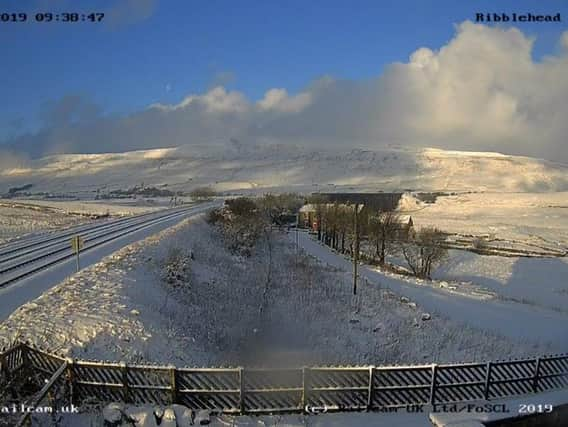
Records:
x=373, y=201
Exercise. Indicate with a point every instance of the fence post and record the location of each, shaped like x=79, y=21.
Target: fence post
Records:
x=71, y=380
x=173, y=384
x=536, y=375
x=487, y=381
x=4, y=370
x=304, y=388
x=433, y=384
x=370, y=389
x=125, y=391
x=45, y=391
x=241, y=390
x=25, y=359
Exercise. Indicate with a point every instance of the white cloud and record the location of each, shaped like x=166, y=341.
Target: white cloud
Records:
x=481, y=91
x=473, y=87
x=564, y=39
x=279, y=100
x=217, y=100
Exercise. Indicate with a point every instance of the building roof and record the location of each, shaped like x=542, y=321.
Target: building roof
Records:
x=312, y=207
x=308, y=208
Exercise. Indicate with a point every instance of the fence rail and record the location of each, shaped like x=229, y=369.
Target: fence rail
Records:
x=247, y=390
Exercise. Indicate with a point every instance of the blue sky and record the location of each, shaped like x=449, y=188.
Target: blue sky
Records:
x=171, y=49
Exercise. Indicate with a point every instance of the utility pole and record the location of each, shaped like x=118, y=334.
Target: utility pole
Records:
x=297, y=236
x=356, y=250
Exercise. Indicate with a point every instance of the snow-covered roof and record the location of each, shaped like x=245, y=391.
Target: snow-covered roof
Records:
x=312, y=207
x=308, y=208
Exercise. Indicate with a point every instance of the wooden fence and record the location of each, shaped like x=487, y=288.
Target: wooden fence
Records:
x=12, y=360
x=247, y=390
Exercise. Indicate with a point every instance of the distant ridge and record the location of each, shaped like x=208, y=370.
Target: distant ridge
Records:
x=234, y=166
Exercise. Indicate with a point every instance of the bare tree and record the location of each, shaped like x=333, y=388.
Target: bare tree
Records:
x=384, y=229
x=344, y=224
x=320, y=202
x=334, y=213
x=424, y=250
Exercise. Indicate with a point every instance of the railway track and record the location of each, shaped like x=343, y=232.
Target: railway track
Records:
x=32, y=242
x=30, y=256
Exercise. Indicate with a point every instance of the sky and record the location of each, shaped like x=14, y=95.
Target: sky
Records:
x=367, y=73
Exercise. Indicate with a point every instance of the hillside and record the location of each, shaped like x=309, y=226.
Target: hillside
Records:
x=235, y=166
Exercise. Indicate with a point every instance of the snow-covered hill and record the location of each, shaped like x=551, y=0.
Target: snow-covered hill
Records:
x=235, y=166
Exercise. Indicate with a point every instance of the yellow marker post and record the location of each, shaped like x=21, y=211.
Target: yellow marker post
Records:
x=77, y=244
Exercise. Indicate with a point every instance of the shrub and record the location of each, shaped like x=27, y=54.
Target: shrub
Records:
x=176, y=267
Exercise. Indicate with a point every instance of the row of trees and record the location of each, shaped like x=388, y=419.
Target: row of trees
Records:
x=381, y=234
x=376, y=235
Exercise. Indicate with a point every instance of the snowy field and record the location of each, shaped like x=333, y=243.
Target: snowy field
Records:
x=16, y=222
x=539, y=220
x=21, y=217
x=527, y=222
x=533, y=281
x=119, y=207
x=152, y=302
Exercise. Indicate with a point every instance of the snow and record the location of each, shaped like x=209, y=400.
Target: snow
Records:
x=144, y=416
x=121, y=309
x=529, y=224
x=19, y=222
x=533, y=281
x=531, y=219
x=554, y=398
x=120, y=207
x=177, y=415
x=533, y=324
x=126, y=305
x=21, y=218
x=478, y=308
x=285, y=167
x=32, y=287
x=85, y=305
